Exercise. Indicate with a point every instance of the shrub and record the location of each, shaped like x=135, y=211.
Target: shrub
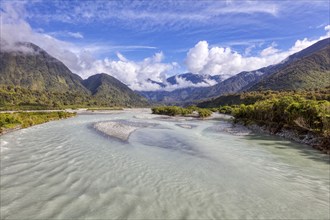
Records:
x=203, y=113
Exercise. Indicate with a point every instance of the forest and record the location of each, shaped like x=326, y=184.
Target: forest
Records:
x=19, y=98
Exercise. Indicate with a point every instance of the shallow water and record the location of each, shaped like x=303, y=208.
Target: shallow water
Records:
x=176, y=169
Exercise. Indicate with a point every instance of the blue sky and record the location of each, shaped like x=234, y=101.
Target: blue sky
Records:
x=131, y=39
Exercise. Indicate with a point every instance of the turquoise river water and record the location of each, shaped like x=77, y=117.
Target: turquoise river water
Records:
x=172, y=168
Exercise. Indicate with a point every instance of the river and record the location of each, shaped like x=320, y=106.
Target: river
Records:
x=176, y=168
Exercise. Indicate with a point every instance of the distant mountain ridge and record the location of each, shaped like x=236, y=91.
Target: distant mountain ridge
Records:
x=307, y=69
x=315, y=59
x=196, y=80
x=38, y=71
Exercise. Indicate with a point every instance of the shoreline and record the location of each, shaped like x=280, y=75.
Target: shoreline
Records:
x=9, y=130
x=30, y=121
x=309, y=138
x=80, y=111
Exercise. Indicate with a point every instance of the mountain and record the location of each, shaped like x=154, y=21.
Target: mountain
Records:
x=162, y=85
x=41, y=79
x=309, y=69
x=37, y=70
x=106, y=88
x=194, y=78
x=191, y=94
x=305, y=69
x=320, y=45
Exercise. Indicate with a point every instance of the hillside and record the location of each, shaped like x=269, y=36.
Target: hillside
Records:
x=309, y=72
x=37, y=70
x=35, y=79
x=107, y=89
x=248, y=98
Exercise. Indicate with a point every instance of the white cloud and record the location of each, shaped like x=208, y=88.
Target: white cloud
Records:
x=269, y=51
x=132, y=73
x=216, y=60
x=121, y=57
x=197, y=57
x=182, y=83
x=75, y=35
x=149, y=14
x=327, y=28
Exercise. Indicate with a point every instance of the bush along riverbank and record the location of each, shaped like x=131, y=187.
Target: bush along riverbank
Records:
x=293, y=117
x=179, y=111
x=17, y=120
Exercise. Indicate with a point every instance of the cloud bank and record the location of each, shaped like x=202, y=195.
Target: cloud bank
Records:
x=203, y=59
x=135, y=74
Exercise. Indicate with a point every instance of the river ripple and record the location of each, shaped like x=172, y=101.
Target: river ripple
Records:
x=176, y=169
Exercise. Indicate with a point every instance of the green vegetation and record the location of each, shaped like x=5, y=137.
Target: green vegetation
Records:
x=290, y=111
x=25, y=119
x=171, y=111
x=301, y=111
x=106, y=90
x=248, y=98
x=18, y=98
x=204, y=113
x=175, y=110
x=105, y=109
x=309, y=72
x=307, y=110
x=37, y=71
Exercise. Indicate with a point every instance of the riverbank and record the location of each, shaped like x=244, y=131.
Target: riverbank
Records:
x=300, y=136
x=17, y=120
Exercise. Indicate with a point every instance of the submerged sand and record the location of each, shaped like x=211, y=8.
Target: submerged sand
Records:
x=120, y=129
x=115, y=129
